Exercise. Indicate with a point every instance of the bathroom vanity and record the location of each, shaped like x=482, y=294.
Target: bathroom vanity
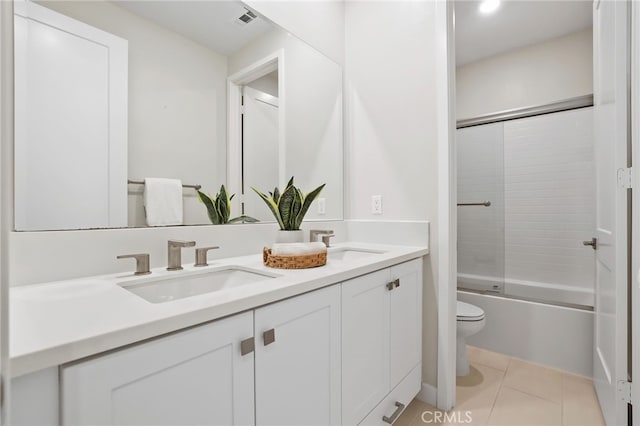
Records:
x=339, y=344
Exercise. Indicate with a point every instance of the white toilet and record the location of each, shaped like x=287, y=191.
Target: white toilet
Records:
x=470, y=320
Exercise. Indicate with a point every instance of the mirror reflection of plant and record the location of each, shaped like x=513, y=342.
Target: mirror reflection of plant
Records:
x=219, y=208
x=290, y=207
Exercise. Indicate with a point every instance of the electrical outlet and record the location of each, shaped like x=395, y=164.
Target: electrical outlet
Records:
x=376, y=204
x=322, y=206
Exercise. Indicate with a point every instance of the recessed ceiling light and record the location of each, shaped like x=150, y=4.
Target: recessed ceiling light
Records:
x=488, y=6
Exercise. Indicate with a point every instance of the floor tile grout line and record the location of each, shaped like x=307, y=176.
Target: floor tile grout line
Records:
x=495, y=398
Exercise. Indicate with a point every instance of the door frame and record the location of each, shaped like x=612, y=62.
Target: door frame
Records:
x=6, y=197
x=235, y=82
x=447, y=199
x=635, y=228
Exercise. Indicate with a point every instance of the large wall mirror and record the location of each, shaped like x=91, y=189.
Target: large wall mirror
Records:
x=110, y=93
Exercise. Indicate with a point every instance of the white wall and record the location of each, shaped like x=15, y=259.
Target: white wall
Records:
x=177, y=105
x=391, y=133
x=313, y=108
x=320, y=23
x=535, y=75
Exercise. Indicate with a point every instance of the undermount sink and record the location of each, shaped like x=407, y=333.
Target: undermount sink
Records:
x=349, y=253
x=167, y=288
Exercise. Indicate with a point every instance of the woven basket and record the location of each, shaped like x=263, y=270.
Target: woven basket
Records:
x=293, y=262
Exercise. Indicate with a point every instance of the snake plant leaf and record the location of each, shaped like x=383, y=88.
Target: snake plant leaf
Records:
x=243, y=219
x=211, y=208
x=276, y=195
x=224, y=208
x=272, y=206
x=290, y=206
x=285, y=205
x=306, y=203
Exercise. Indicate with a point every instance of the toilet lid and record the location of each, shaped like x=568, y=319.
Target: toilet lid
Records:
x=469, y=312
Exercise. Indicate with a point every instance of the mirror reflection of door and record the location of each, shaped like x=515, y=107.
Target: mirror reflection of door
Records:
x=259, y=143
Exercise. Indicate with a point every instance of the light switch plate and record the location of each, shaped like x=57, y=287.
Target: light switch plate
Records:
x=322, y=206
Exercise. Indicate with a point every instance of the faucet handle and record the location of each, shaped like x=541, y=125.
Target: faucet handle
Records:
x=181, y=243
x=142, y=262
x=313, y=234
x=326, y=239
x=201, y=255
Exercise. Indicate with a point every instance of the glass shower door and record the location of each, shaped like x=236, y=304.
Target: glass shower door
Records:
x=481, y=193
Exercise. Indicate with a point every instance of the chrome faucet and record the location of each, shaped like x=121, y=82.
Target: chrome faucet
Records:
x=325, y=233
x=175, y=253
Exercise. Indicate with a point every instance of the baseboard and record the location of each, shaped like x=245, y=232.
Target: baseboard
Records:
x=428, y=394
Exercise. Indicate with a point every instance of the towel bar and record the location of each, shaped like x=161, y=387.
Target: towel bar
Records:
x=141, y=182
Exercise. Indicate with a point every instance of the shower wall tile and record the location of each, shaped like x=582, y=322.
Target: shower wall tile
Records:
x=550, y=198
x=538, y=173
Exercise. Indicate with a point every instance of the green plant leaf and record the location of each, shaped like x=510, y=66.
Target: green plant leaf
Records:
x=290, y=183
x=276, y=195
x=211, y=208
x=243, y=219
x=272, y=206
x=224, y=207
x=306, y=203
x=285, y=206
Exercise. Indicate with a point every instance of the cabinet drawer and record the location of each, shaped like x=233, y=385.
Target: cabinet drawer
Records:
x=403, y=394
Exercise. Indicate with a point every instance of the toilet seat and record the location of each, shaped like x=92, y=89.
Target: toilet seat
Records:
x=467, y=312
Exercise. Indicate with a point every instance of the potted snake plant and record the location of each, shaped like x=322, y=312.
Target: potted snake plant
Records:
x=219, y=208
x=289, y=208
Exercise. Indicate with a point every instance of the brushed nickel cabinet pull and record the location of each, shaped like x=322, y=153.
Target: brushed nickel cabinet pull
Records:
x=393, y=284
x=269, y=336
x=247, y=346
x=394, y=416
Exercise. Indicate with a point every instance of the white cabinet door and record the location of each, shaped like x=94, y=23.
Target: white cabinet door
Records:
x=381, y=336
x=297, y=359
x=365, y=344
x=405, y=318
x=194, y=377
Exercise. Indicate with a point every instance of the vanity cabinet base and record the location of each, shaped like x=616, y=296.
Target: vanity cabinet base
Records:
x=390, y=407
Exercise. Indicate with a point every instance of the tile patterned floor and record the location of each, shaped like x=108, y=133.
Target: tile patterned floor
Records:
x=505, y=391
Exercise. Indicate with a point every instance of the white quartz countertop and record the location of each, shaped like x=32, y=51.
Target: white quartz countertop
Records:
x=59, y=322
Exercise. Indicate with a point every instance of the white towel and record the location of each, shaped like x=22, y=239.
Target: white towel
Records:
x=163, y=201
x=297, y=249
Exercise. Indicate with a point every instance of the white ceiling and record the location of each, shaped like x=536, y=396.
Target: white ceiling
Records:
x=517, y=23
x=210, y=23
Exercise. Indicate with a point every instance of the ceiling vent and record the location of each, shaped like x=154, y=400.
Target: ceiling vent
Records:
x=246, y=17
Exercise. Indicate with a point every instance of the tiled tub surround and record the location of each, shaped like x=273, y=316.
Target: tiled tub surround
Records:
x=59, y=322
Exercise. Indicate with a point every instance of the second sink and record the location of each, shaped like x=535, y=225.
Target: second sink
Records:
x=349, y=253
x=167, y=288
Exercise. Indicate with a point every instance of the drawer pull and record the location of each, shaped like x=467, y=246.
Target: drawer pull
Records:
x=269, y=336
x=394, y=416
x=247, y=346
x=393, y=284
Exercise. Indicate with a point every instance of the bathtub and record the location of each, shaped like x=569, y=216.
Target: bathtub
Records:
x=556, y=294
x=552, y=335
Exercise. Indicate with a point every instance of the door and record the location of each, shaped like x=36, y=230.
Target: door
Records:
x=611, y=153
x=297, y=357
x=70, y=123
x=259, y=149
x=365, y=344
x=405, y=320
x=194, y=377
